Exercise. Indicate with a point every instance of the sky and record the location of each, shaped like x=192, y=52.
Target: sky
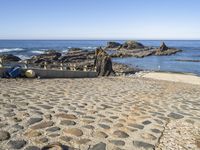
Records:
x=100, y=19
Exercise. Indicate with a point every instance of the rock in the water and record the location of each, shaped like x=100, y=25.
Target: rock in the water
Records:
x=163, y=47
x=99, y=146
x=103, y=63
x=4, y=135
x=18, y=144
x=130, y=45
x=48, y=56
x=113, y=45
x=9, y=58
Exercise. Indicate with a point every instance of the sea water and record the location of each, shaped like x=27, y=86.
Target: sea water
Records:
x=191, y=51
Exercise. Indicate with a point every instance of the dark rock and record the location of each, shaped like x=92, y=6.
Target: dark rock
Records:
x=118, y=142
x=48, y=56
x=113, y=45
x=103, y=63
x=104, y=126
x=99, y=146
x=68, y=123
x=120, y=134
x=43, y=125
x=163, y=47
x=146, y=122
x=138, y=126
x=32, y=121
x=9, y=58
x=130, y=45
x=32, y=148
x=155, y=130
x=18, y=144
x=53, y=129
x=4, y=135
x=175, y=116
x=144, y=145
x=75, y=49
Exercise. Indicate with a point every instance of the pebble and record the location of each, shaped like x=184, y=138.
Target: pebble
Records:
x=32, y=121
x=120, y=134
x=68, y=122
x=175, y=116
x=18, y=144
x=74, y=131
x=43, y=125
x=144, y=145
x=66, y=116
x=100, y=134
x=117, y=142
x=4, y=135
x=99, y=146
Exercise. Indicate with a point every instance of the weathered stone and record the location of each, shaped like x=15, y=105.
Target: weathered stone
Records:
x=89, y=127
x=66, y=138
x=74, y=131
x=66, y=116
x=32, y=121
x=155, y=130
x=146, y=122
x=144, y=145
x=43, y=125
x=4, y=135
x=68, y=122
x=175, y=116
x=46, y=106
x=104, y=126
x=148, y=136
x=113, y=45
x=42, y=140
x=117, y=142
x=53, y=129
x=33, y=133
x=82, y=141
x=32, y=148
x=99, y=146
x=130, y=45
x=100, y=134
x=136, y=126
x=54, y=135
x=120, y=134
x=18, y=144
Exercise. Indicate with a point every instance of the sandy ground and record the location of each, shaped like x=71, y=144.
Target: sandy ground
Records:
x=174, y=77
x=116, y=113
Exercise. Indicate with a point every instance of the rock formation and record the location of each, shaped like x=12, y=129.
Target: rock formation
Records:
x=113, y=45
x=48, y=56
x=130, y=45
x=103, y=63
x=163, y=47
x=9, y=58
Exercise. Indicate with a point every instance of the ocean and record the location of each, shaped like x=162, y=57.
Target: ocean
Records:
x=191, y=51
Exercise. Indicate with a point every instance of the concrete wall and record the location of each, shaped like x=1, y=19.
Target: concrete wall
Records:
x=59, y=73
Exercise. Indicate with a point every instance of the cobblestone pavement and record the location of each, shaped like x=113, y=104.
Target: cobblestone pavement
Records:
x=121, y=113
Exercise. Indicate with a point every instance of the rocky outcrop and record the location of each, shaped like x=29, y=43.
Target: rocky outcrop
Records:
x=9, y=58
x=77, y=56
x=164, y=50
x=130, y=45
x=103, y=63
x=48, y=56
x=113, y=45
x=163, y=47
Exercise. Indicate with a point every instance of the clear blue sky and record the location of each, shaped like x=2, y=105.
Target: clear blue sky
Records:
x=99, y=19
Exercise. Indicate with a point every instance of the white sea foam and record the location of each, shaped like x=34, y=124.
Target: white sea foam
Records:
x=10, y=49
x=37, y=52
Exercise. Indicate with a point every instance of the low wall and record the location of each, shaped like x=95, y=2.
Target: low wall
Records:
x=58, y=73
